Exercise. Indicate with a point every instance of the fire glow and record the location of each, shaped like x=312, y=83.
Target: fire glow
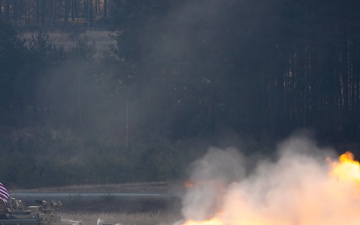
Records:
x=296, y=190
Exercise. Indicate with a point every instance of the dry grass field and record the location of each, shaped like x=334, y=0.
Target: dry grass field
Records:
x=153, y=187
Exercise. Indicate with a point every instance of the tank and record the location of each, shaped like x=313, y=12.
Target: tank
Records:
x=42, y=213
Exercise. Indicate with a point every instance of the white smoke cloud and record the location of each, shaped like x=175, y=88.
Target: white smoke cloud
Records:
x=215, y=170
x=295, y=188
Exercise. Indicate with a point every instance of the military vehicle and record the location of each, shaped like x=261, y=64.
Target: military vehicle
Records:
x=40, y=214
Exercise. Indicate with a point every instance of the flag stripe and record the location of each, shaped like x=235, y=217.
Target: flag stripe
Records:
x=4, y=193
x=3, y=190
x=3, y=199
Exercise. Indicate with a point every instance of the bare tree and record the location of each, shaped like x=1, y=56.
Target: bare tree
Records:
x=105, y=8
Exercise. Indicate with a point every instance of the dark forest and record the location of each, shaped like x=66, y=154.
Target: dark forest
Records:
x=182, y=76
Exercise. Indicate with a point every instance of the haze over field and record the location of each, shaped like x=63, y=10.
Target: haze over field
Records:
x=180, y=76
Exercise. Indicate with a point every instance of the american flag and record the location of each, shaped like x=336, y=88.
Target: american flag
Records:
x=4, y=193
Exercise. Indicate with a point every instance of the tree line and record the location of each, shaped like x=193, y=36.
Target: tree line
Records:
x=54, y=13
x=181, y=74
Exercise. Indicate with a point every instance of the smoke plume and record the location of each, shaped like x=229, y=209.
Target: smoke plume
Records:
x=295, y=187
